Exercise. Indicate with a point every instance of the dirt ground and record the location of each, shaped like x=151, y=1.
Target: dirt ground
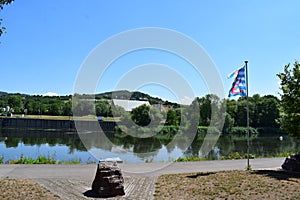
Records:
x=24, y=189
x=262, y=184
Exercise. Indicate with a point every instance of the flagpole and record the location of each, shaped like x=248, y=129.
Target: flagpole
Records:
x=248, y=132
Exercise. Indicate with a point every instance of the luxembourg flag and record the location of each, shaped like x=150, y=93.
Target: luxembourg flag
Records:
x=239, y=84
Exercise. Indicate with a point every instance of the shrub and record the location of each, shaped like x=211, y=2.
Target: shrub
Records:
x=202, y=130
x=189, y=158
x=242, y=131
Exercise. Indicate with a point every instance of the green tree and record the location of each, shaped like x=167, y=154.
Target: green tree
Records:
x=290, y=99
x=15, y=102
x=155, y=116
x=172, y=118
x=55, y=109
x=140, y=115
x=2, y=3
x=268, y=108
x=67, y=109
x=103, y=108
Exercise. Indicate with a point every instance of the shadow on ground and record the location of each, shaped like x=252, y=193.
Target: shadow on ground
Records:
x=92, y=194
x=200, y=174
x=279, y=175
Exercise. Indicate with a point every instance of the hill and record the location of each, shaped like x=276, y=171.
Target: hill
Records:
x=135, y=95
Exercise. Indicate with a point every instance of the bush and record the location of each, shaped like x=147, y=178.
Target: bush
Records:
x=1, y=159
x=242, y=131
x=189, y=158
x=270, y=130
x=202, y=130
x=39, y=160
x=237, y=156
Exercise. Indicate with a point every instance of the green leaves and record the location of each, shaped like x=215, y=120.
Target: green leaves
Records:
x=290, y=99
x=2, y=3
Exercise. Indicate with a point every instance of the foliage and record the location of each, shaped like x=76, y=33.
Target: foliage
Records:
x=290, y=99
x=172, y=118
x=39, y=160
x=104, y=109
x=242, y=131
x=1, y=159
x=140, y=115
x=2, y=3
x=202, y=130
x=264, y=110
x=237, y=156
x=190, y=158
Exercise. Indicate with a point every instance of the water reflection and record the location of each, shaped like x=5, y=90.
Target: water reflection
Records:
x=68, y=146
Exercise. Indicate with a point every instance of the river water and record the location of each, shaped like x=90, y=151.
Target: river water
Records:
x=68, y=146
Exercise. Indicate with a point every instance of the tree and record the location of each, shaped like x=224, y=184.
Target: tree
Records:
x=55, y=109
x=290, y=99
x=172, y=118
x=268, y=108
x=15, y=102
x=155, y=116
x=140, y=115
x=103, y=108
x=2, y=3
x=67, y=109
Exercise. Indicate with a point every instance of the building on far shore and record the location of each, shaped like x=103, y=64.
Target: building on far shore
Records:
x=128, y=105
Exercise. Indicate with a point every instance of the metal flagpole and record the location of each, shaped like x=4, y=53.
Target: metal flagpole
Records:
x=247, y=102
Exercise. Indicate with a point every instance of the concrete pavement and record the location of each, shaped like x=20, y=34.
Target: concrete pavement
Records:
x=87, y=171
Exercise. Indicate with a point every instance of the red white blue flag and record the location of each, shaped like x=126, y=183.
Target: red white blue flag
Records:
x=239, y=84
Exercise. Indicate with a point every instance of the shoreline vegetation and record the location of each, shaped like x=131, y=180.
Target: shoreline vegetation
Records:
x=166, y=133
x=51, y=159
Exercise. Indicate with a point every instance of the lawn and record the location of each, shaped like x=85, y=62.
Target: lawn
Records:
x=262, y=184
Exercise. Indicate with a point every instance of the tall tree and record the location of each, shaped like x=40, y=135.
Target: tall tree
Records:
x=2, y=3
x=140, y=115
x=290, y=99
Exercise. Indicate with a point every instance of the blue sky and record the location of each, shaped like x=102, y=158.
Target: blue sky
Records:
x=47, y=42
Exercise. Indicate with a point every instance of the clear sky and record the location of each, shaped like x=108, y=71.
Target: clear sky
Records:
x=46, y=41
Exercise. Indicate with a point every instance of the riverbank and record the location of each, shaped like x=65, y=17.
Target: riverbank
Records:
x=75, y=180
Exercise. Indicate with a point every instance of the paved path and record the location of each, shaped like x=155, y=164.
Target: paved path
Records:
x=72, y=181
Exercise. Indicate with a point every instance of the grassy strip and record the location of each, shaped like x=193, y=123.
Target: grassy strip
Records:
x=263, y=184
x=234, y=156
x=40, y=160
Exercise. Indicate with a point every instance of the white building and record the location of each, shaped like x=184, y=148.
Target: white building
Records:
x=128, y=105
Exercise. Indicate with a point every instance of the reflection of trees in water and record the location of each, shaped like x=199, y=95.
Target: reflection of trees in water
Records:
x=268, y=145
x=12, y=137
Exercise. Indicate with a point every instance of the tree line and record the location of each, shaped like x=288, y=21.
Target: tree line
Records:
x=264, y=110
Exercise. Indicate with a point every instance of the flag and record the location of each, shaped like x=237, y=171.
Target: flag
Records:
x=239, y=84
x=234, y=73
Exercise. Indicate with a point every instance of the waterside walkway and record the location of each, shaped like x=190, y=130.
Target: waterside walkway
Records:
x=74, y=181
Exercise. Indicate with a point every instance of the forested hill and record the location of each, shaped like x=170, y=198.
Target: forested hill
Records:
x=124, y=94
x=62, y=105
x=3, y=93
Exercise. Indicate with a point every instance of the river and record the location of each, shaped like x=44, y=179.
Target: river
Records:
x=68, y=146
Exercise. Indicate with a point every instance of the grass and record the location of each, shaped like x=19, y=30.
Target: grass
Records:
x=262, y=184
x=41, y=160
x=24, y=189
x=191, y=158
x=234, y=156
